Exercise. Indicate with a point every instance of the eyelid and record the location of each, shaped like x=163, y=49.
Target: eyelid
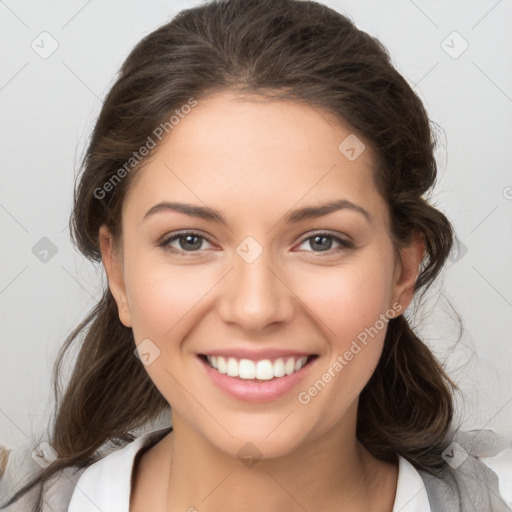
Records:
x=333, y=234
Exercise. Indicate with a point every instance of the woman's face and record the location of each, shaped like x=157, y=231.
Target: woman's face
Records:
x=290, y=301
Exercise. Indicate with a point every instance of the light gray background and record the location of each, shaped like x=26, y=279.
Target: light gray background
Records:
x=48, y=107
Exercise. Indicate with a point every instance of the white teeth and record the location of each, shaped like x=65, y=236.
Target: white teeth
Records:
x=232, y=367
x=264, y=370
x=279, y=368
x=261, y=370
x=246, y=369
x=289, y=366
x=221, y=365
x=300, y=363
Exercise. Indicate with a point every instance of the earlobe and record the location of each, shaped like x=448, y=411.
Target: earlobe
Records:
x=113, y=268
x=408, y=270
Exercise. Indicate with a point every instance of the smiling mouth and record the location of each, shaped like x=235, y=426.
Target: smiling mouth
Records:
x=264, y=369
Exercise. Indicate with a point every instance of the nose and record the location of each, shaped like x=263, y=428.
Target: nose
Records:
x=255, y=295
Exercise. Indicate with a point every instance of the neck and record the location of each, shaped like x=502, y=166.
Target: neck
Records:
x=332, y=472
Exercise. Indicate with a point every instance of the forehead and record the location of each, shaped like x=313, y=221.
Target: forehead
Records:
x=257, y=154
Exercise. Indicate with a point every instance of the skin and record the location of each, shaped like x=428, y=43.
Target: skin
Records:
x=255, y=161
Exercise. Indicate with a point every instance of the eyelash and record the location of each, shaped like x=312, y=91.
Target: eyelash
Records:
x=344, y=244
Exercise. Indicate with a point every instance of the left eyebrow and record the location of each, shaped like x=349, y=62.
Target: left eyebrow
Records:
x=312, y=212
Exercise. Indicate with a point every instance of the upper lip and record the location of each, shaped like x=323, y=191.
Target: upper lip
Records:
x=256, y=355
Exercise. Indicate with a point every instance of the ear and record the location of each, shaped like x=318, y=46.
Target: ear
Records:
x=407, y=271
x=114, y=269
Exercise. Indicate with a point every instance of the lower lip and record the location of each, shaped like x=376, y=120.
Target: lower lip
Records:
x=257, y=391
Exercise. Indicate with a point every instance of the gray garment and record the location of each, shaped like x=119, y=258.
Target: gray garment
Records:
x=467, y=485
x=471, y=487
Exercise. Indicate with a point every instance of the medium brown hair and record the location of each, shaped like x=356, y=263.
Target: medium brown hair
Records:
x=282, y=49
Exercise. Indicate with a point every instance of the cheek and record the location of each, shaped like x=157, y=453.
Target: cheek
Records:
x=354, y=308
x=161, y=296
x=165, y=301
x=349, y=298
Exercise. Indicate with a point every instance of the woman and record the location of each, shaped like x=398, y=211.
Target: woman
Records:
x=255, y=188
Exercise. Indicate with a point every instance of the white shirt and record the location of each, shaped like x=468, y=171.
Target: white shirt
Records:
x=106, y=484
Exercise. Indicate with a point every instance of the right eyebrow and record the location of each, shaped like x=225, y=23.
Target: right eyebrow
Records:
x=202, y=212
